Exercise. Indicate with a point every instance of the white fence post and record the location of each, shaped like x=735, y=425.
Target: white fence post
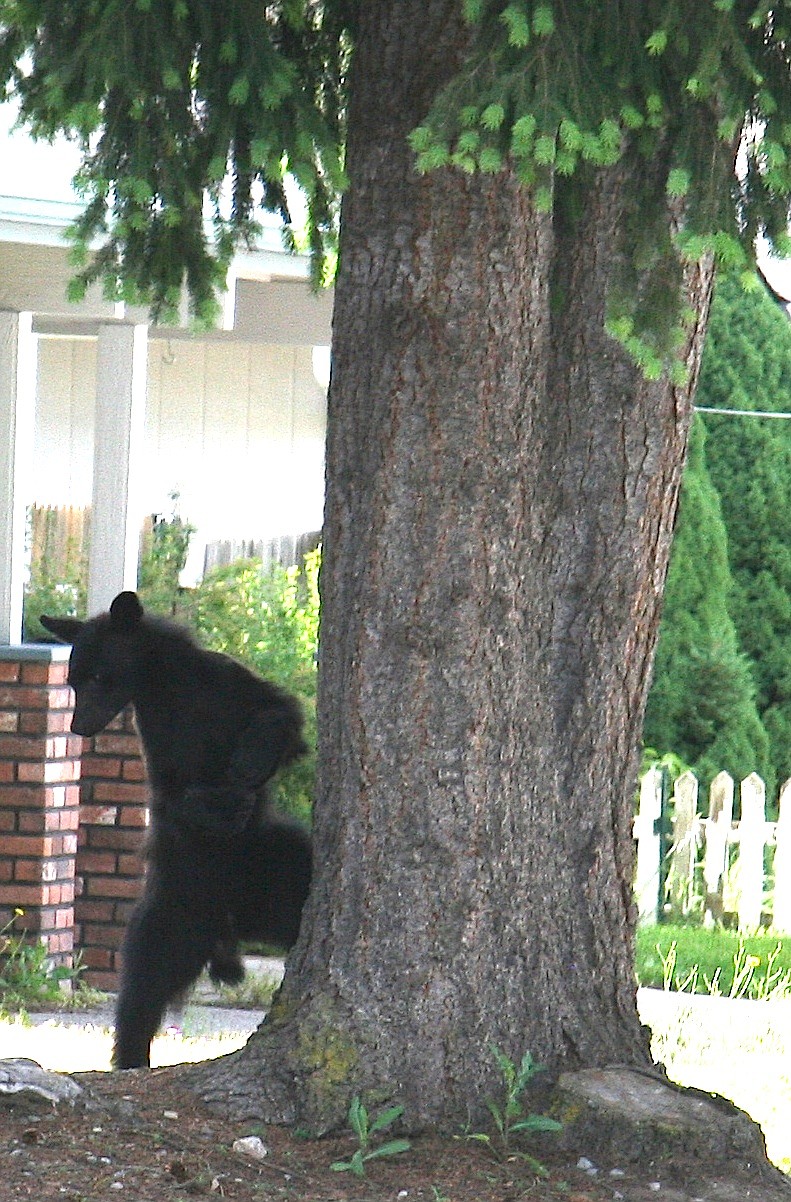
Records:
x=648, y=847
x=781, y=904
x=752, y=837
x=715, y=859
x=682, y=853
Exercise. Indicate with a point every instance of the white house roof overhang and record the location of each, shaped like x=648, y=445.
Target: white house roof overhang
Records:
x=268, y=300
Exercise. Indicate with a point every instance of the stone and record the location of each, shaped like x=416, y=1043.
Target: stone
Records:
x=25, y=1085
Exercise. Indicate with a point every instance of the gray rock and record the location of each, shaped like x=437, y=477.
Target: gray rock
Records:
x=24, y=1084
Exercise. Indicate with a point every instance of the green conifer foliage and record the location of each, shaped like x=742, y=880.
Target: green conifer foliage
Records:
x=747, y=365
x=185, y=111
x=702, y=702
x=193, y=108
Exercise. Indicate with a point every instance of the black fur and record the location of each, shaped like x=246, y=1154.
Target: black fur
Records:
x=221, y=865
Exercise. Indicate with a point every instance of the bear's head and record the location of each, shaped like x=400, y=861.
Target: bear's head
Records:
x=104, y=661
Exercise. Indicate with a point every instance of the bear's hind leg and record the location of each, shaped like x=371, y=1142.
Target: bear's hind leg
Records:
x=164, y=952
x=226, y=966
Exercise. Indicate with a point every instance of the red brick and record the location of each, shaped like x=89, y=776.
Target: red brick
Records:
x=44, y=919
x=110, y=886
x=27, y=870
x=107, y=981
x=30, y=771
x=33, y=722
x=61, y=944
x=57, y=721
x=117, y=744
x=21, y=797
x=45, y=673
x=7, y=821
x=21, y=895
x=110, y=836
x=17, y=747
x=97, y=957
x=103, y=936
x=130, y=865
x=7, y=771
x=106, y=767
x=6, y=870
x=64, y=844
x=33, y=846
x=91, y=815
x=69, y=820
x=57, y=796
x=134, y=769
x=98, y=861
x=134, y=816
x=31, y=821
x=115, y=791
x=35, y=673
x=52, y=821
x=88, y=910
x=9, y=671
x=16, y=696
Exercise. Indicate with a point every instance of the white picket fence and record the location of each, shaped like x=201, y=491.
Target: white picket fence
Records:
x=712, y=854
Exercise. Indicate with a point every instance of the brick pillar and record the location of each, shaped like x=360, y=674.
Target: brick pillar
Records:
x=113, y=818
x=39, y=796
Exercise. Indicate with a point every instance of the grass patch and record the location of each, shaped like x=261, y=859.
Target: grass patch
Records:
x=718, y=962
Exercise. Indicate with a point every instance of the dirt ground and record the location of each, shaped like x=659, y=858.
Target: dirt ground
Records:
x=142, y=1137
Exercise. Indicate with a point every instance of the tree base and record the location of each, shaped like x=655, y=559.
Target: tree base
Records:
x=638, y=1120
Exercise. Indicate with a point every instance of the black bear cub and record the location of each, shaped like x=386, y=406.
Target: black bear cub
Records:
x=221, y=865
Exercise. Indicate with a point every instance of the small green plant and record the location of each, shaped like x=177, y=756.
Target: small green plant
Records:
x=509, y=1116
x=27, y=979
x=364, y=1130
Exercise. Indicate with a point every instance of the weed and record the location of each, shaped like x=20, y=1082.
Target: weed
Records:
x=27, y=979
x=509, y=1117
x=717, y=962
x=363, y=1129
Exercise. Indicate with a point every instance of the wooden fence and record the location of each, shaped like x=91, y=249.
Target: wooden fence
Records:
x=58, y=537
x=710, y=864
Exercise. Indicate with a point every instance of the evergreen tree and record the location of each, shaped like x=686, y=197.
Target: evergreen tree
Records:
x=747, y=365
x=502, y=478
x=701, y=705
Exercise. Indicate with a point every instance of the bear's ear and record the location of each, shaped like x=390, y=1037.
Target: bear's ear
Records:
x=126, y=610
x=66, y=629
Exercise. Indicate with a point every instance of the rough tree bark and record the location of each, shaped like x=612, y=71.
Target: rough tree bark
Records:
x=501, y=491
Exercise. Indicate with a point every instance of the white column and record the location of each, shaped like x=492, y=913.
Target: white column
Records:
x=117, y=462
x=17, y=422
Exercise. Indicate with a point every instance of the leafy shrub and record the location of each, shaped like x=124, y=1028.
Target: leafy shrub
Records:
x=28, y=980
x=163, y=556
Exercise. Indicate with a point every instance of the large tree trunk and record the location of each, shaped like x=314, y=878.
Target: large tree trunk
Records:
x=501, y=492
